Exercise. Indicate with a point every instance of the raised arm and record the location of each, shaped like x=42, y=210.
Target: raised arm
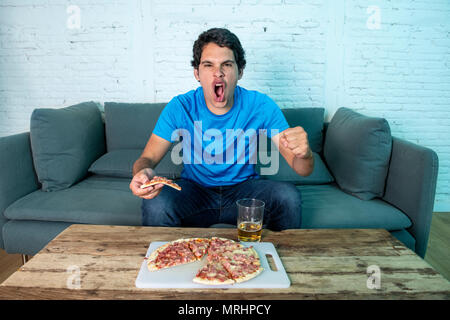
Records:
x=294, y=147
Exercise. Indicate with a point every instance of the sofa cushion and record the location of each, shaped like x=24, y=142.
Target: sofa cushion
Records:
x=311, y=120
x=357, y=150
x=65, y=142
x=129, y=125
x=3, y=221
x=18, y=177
x=116, y=163
x=320, y=174
x=119, y=163
x=326, y=206
x=95, y=200
x=406, y=238
x=29, y=237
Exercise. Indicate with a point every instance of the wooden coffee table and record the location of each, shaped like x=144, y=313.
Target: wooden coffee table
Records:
x=321, y=264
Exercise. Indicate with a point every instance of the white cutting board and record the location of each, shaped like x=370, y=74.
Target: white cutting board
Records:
x=181, y=276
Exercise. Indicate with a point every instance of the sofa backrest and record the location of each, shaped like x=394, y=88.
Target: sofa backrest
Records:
x=129, y=125
x=310, y=119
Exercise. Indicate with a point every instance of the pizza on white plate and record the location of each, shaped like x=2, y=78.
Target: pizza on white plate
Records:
x=228, y=261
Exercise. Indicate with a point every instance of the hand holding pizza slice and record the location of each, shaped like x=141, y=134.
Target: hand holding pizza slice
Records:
x=142, y=178
x=161, y=180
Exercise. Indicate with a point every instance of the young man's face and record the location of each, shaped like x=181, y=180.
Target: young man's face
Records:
x=218, y=75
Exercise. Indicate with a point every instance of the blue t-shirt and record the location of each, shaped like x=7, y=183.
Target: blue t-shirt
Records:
x=219, y=150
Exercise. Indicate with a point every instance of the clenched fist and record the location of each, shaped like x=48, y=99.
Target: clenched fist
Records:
x=296, y=139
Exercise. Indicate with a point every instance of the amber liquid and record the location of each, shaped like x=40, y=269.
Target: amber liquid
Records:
x=249, y=231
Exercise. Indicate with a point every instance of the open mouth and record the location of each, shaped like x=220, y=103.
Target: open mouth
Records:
x=219, y=91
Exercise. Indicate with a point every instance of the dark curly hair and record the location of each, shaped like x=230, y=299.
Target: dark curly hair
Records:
x=222, y=37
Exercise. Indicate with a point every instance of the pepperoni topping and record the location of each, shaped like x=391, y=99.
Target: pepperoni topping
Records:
x=227, y=259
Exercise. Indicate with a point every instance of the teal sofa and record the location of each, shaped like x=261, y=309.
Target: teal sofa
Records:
x=74, y=167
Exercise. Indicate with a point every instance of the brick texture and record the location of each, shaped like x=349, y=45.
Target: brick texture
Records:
x=381, y=58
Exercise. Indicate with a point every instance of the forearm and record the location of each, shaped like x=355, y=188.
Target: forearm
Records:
x=143, y=163
x=303, y=167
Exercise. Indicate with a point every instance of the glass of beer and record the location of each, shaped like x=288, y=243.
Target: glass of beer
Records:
x=250, y=219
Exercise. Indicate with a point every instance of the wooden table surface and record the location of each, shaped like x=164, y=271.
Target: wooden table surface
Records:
x=321, y=264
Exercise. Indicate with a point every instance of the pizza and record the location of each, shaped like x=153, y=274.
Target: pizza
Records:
x=171, y=254
x=242, y=264
x=158, y=180
x=227, y=262
x=214, y=274
x=231, y=260
x=218, y=246
x=199, y=246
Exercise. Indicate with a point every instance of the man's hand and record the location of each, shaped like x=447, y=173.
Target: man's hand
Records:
x=296, y=139
x=142, y=177
x=154, y=151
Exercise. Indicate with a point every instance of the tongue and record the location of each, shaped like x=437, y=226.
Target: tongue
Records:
x=219, y=94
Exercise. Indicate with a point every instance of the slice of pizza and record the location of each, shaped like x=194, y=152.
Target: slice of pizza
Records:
x=213, y=273
x=161, y=180
x=199, y=246
x=170, y=254
x=218, y=246
x=242, y=264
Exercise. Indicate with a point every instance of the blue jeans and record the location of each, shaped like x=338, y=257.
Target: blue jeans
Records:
x=198, y=206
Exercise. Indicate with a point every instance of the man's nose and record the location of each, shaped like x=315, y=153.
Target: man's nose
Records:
x=218, y=72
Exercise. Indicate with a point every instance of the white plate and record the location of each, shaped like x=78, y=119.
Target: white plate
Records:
x=181, y=276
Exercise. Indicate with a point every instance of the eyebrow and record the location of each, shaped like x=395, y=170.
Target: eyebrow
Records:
x=226, y=61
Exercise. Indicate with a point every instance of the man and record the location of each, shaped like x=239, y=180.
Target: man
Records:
x=216, y=174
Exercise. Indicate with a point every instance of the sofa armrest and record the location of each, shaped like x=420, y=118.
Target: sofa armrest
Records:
x=17, y=175
x=411, y=187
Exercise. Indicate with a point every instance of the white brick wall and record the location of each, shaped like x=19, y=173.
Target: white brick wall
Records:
x=391, y=60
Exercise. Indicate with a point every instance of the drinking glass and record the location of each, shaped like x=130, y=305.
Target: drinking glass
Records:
x=250, y=219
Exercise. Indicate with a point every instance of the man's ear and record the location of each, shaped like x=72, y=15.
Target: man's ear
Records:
x=241, y=73
x=196, y=74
